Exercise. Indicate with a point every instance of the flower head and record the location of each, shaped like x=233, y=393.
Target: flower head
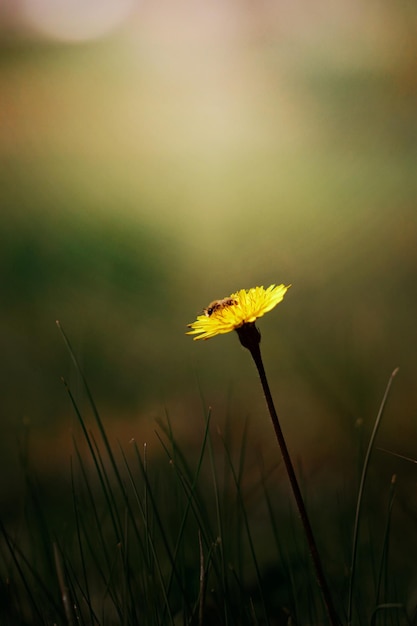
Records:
x=242, y=307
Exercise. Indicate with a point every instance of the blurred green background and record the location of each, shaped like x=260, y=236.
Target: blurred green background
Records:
x=176, y=152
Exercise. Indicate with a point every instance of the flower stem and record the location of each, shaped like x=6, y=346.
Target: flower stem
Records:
x=331, y=612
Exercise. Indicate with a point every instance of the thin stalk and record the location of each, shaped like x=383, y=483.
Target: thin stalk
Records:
x=251, y=341
x=220, y=531
x=360, y=493
x=203, y=583
x=383, y=568
x=67, y=601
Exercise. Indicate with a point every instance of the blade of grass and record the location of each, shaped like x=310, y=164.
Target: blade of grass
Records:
x=233, y=526
x=98, y=464
x=146, y=545
x=248, y=531
x=97, y=521
x=107, y=489
x=203, y=583
x=225, y=591
x=87, y=596
x=175, y=454
x=220, y=530
x=98, y=536
x=284, y=561
x=360, y=493
x=98, y=420
x=390, y=606
x=109, y=494
x=67, y=600
x=383, y=568
x=150, y=536
x=48, y=598
x=189, y=487
x=26, y=584
x=79, y=596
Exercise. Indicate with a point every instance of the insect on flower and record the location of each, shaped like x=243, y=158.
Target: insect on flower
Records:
x=217, y=305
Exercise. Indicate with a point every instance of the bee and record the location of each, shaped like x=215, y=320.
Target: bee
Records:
x=217, y=305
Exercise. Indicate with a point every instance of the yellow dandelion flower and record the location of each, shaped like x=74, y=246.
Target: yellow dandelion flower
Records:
x=239, y=312
x=242, y=307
